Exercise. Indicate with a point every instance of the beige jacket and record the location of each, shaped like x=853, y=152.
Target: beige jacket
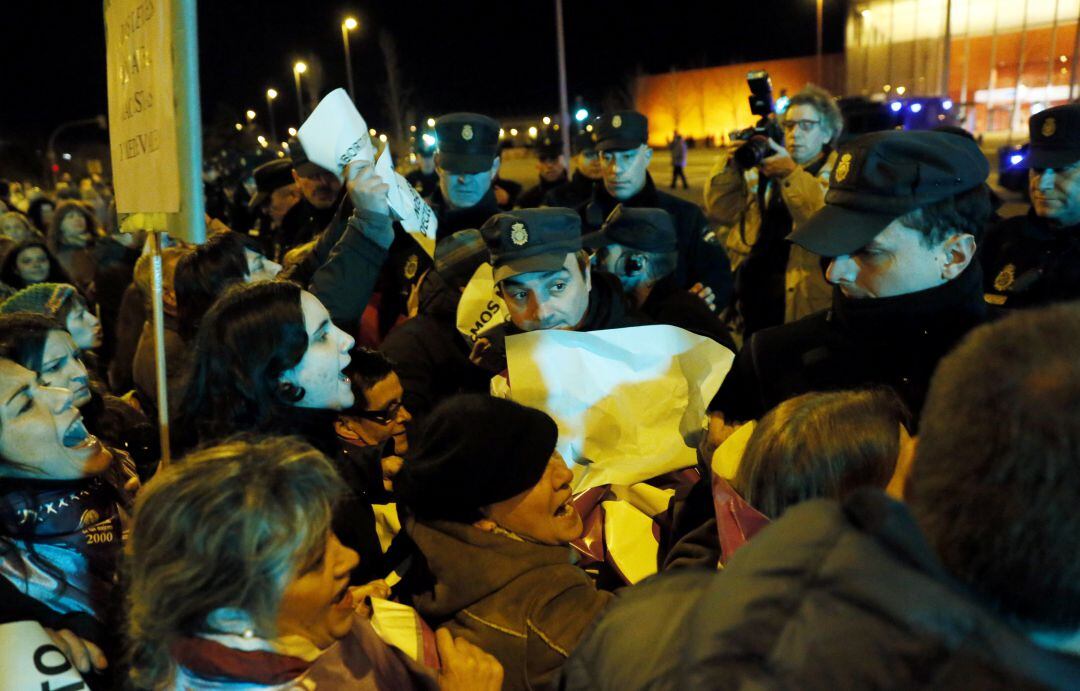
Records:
x=731, y=204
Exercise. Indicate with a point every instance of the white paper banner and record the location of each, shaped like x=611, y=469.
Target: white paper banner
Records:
x=30, y=660
x=627, y=401
x=480, y=309
x=335, y=135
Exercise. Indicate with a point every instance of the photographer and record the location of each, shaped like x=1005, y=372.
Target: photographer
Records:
x=775, y=281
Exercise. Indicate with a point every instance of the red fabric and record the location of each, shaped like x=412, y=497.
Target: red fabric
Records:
x=212, y=660
x=736, y=521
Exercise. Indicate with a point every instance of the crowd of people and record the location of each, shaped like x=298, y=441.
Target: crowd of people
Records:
x=886, y=481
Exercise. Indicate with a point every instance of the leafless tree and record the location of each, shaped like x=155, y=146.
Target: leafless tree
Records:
x=395, y=95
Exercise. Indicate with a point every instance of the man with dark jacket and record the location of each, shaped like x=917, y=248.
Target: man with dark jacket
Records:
x=622, y=140
x=639, y=247
x=319, y=192
x=973, y=585
x=467, y=160
x=1035, y=259
x=900, y=226
x=550, y=165
x=587, y=173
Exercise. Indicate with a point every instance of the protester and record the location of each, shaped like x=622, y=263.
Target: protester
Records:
x=64, y=304
x=639, y=246
x=491, y=513
x=817, y=445
x=588, y=172
x=59, y=485
x=45, y=347
x=971, y=584
x=142, y=361
x=238, y=581
x=902, y=220
x=622, y=140
x=1035, y=259
x=430, y=355
x=550, y=165
x=41, y=212
x=756, y=209
x=378, y=415
x=16, y=227
x=71, y=237
x=467, y=161
x=678, y=161
x=30, y=262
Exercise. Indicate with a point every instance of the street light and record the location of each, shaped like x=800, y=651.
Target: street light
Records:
x=820, y=67
x=250, y=115
x=431, y=122
x=271, y=94
x=346, y=26
x=298, y=69
x=292, y=131
x=547, y=120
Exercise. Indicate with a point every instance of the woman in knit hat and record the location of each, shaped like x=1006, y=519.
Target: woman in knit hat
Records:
x=490, y=509
x=63, y=303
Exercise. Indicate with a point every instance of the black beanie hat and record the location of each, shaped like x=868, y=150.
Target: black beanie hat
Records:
x=474, y=450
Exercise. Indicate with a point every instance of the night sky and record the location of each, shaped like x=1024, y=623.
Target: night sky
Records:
x=493, y=57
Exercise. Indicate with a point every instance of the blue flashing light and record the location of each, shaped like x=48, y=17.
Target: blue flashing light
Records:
x=782, y=104
x=916, y=107
x=1016, y=159
x=429, y=140
x=946, y=104
x=895, y=106
x=581, y=115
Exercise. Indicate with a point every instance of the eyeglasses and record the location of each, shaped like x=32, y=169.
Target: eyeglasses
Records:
x=803, y=125
x=384, y=416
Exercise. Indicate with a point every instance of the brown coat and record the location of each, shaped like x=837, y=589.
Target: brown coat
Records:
x=177, y=360
x=524, y=603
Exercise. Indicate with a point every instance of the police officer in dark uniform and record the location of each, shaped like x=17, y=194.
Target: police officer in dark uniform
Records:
x=622, y=140
x=467, y=160
x=639, y=247
x=587, y=172
x=900, y=226
x=321, y=195
x=551, y=166
x=425, y=179
x=1035, y=259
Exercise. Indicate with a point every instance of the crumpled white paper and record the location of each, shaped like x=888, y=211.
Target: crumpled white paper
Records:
x=629, y=403
x=335, y=135
x=30, y=660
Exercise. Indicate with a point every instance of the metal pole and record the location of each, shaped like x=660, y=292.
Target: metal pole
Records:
x=993, y=72
x=967, y=55
x=564, y=107
x=1019, y=74
x=348, y=62
x=1050, y=54
x=820, y=67
x=270, y=114
x=948, y=50
x=892, y=36
x=299, y=97
x=159, y=346
x=192, y=216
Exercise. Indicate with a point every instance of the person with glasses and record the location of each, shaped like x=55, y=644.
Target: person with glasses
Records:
x=756, y=209
x=622, y=138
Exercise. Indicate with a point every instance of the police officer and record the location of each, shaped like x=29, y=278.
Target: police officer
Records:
x=543, y=275
x=551, y=165
x=424, y=179
x=320, y=193
x=638, y=246
x=467, y=161
x=899, y=227
x=1035, y=259
x=622, y=140
x=587, y=172
x=276, y=193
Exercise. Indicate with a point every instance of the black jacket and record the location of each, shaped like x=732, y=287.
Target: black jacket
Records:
x=452, y=220
x=300, y=224
x=700, y=260
x=573, y=194
x=1027, y=262
x=534, y=196
x=430, y=357
x=828, y=597
x=669, y=304
x=895, y=341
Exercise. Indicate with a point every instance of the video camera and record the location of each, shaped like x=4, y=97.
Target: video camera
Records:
x=757, y=137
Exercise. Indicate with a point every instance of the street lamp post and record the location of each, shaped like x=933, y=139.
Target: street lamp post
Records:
x=298, y=69
x=820, y=67
x=271, y=94
x=346, y=26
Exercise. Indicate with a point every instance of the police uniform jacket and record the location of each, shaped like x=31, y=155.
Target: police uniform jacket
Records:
x=1028, y=262
x=732, y=204
x=895, y=341
x=700, y=259
x=452, y=220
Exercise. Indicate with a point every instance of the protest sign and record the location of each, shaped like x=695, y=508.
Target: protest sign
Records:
x=480, y=309
x=335, y=135
x=629, y=403
x=30, y=660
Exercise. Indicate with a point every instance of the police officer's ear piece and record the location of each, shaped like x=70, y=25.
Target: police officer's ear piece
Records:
x=633, y=265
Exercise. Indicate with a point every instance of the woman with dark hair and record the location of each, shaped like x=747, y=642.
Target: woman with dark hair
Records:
x=63, y=502
x=30, y=262
x=63, y=303
x=71, y=238
x=268, y=359
x=42, y=345
x=41, y=212
x=223, y=260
